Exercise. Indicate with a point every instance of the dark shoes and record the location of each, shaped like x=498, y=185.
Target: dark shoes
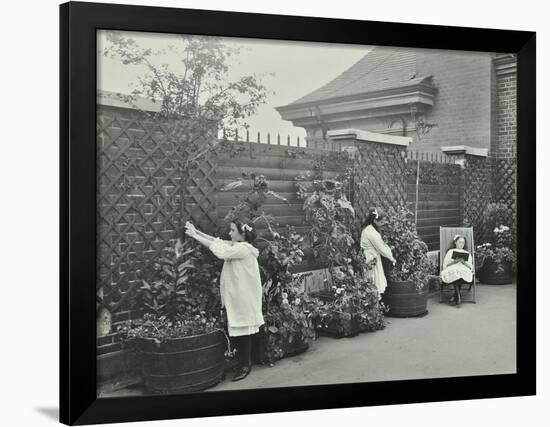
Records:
x=242, y=373
x=456, y=300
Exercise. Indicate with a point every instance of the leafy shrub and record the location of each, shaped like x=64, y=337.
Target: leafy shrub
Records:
x=399, y=232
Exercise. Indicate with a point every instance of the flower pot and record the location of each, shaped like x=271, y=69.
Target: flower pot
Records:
x=340, y=327
x=183, y=365
x=295, y=347
x=491, y=274
x=404, y=300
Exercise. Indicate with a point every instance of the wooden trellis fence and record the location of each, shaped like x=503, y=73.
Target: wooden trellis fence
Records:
x=146, y=192
x=439, y=193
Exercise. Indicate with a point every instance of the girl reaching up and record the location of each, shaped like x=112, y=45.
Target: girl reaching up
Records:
x=240, y=287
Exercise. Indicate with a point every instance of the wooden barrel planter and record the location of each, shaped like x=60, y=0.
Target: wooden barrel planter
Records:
x=404, y=300
x=183, y=365
x=490, y=275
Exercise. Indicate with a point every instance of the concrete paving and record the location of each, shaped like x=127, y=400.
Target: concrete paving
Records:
x=475, y=339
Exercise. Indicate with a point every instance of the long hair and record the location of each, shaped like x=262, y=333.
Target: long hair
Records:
x=246, y=230
x=370, y=219
x=453, y=244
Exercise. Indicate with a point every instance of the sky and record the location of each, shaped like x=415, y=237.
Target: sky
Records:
x=290, y=69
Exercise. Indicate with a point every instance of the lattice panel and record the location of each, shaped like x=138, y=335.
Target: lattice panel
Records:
x=477, y=195
x=505, y=186
x=140, y=196
x=505, y=172
x=379, y=178
x=200, y=194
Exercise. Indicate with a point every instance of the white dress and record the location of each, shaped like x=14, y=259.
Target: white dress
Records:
x=452, y=272
x=374, y=247
x=240, y=286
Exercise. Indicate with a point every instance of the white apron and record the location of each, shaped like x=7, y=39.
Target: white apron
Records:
x=374, y=247
x=240, y=286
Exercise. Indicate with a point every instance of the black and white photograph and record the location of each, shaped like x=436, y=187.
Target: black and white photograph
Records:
x=277, y=213
x=249, y=214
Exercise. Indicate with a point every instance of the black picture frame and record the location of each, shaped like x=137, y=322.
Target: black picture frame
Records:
x=78, y=25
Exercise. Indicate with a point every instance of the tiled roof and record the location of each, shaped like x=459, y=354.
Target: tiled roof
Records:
x=381, y=68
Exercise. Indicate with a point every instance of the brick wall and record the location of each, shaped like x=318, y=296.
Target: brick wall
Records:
x=505, y=140
x=462, y=108
x=504, y=144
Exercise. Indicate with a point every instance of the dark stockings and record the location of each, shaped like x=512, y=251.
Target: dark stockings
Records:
x=244, y=351
x=457, y=285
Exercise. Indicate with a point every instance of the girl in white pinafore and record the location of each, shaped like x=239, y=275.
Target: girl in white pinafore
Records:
x=374, y=247
x=457, y=271
x=240, y=287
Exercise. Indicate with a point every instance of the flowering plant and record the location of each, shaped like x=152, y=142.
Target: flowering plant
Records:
x=501, y=247
x=289, y=318
x=248, y=207
x=288, y=310
x=331, y=216
x=351, y=305
x=499, y=254
x=180, y=297
x=502, y=220
x=399, y=232
x=159, y=328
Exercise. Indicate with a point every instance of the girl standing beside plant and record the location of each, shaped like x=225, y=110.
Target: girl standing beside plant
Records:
x=374, y=247
x=457, y=270
x=240, y=286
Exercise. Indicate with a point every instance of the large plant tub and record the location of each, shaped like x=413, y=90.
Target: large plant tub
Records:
x=184, y=364
x=404, y=300
x=491, y=274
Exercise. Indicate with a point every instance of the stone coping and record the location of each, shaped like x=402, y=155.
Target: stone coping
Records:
x=367, y=136
x=465, y=149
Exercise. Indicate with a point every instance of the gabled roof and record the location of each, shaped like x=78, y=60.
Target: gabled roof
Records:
x=382, y=68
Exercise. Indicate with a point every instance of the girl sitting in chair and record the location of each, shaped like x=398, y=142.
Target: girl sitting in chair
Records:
x=457, y=267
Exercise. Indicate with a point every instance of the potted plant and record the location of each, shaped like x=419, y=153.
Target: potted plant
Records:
x=180, y=336
x=495, y=260
x=496, y=264
x=407, y=292
x=351, y=305
x=331, y=217
x=289, y=311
